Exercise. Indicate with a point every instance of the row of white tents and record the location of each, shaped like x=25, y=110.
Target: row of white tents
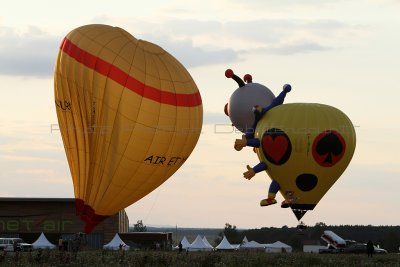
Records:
x=199, y=244
x=202, y=244
x=115, y=244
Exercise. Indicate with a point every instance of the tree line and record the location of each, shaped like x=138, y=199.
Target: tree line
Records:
x=387, y=237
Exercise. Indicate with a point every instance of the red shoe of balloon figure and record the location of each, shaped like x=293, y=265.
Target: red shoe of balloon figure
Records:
x=267, y=202
x=285, y=204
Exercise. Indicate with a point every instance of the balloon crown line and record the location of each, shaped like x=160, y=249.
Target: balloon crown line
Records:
x=247, y=78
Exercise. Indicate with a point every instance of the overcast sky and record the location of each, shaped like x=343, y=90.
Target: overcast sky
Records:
x=340, y=53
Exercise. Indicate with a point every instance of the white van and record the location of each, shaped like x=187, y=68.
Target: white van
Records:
x=14, y=244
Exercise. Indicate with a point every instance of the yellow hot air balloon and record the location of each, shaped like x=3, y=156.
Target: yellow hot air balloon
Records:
x=304, y=148
x=129, y=113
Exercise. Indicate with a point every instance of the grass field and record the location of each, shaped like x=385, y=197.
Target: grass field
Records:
x=192, y=259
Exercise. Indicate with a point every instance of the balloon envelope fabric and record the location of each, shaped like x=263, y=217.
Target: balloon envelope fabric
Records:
x=129, y=114
x=307, y=147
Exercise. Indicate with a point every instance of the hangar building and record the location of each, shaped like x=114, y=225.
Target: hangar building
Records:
x=27, y=218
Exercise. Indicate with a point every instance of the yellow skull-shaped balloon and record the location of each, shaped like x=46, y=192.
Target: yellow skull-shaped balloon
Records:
x=306, y=147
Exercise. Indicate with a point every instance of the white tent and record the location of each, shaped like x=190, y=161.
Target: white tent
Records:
x=207, y=243
x=224, y=245
x=237, y=246
x=252, y=245
x=116, y=243
x=185, y=243
x=198, y=245
x=43, y=243
x=278, y=246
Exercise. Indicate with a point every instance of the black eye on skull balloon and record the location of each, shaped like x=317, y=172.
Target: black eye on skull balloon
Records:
x=328, y=148
x=276, y=146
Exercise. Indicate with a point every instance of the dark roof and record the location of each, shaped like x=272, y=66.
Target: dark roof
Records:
x=33, y=199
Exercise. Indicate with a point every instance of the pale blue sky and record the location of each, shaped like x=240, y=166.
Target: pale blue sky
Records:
x=340, y=53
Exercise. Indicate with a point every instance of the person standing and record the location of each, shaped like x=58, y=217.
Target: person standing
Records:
x=60, y=243
x=370, y=248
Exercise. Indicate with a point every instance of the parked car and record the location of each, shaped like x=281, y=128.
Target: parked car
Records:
x=14, y=244
x=380, y=250
x=329, y=250
x=362, y=248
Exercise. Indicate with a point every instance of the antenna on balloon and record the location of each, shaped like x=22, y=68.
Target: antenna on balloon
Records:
x=247, y=78
x=229, y=74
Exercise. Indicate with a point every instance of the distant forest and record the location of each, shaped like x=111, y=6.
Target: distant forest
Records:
x=387, y=237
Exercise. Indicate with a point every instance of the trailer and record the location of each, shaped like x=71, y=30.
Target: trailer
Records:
x=336, y=244
x=333, y=240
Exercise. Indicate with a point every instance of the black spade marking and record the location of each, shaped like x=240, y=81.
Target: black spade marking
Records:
x=306, y=181
x=329, y=145
x=328, y=148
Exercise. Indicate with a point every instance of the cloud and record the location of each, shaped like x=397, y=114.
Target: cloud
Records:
x=31, y=156
x=28, y=158
x=29, y=142
x=39, y=172
x=216, y=118
x=195, y=43
x=215, y=41
x=284, y=3
x=6, y=194
x=33, y=53
x=193, y=56
x=28, y=53
x=294, y=48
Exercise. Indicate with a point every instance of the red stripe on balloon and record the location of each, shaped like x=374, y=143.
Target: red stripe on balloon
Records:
x=121, y=77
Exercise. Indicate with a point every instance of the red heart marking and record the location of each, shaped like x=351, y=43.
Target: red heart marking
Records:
x=275, y=148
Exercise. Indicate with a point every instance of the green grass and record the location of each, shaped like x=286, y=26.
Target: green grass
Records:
x=193, y=259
